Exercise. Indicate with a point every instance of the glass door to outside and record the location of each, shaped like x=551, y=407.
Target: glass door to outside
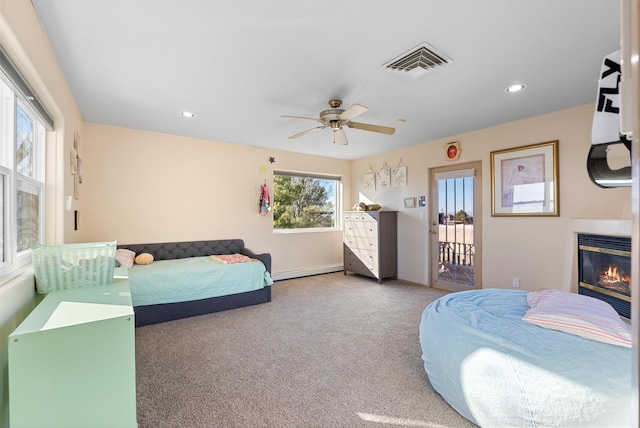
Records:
x=455, y=227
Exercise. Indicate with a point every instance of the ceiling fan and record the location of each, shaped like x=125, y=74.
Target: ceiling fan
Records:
x=335, y=118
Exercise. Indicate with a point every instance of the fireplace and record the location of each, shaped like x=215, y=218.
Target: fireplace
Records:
x=604, y=270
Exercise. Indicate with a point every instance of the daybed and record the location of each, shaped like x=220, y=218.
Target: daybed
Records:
x=183, y=280
x=498, y=370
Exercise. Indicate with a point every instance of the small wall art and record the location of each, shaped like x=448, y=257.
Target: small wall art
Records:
x=75, y=164
x=384, y=177
x=73, y=161
x=76, y=187
x=452, y=151
x=399, y=175
x=370, y=180
x=409, y=202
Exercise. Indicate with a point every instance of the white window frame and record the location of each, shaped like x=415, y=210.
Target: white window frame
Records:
x=10, y=99
x=338, y=202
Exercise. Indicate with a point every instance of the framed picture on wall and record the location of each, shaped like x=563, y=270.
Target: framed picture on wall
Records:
x=524, y=181
x=409, y=202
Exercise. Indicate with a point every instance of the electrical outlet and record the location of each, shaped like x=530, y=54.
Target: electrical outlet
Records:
x=516, y=283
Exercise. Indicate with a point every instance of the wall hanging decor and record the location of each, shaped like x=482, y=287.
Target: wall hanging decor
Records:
x=76, y=187
x=80, y=170
x=409, y=202
x=76, y=166
x=384, y=177
x=73, y=161
x=524, y=181
x=265, y=200
x=370, y=180
x=399, y=175
x=452, y=151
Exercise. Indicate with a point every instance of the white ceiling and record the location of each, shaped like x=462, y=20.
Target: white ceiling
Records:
x=241, y=64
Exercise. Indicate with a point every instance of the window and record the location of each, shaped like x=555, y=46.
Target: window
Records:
x=305, y=201
x=23, y=126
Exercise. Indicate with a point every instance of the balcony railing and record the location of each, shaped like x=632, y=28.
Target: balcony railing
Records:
x=456, y=253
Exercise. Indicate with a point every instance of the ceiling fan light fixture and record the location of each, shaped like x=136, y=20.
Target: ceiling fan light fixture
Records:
x=339, y=137
x=337, y=118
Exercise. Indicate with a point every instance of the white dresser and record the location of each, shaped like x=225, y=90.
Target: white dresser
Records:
x=371, y=243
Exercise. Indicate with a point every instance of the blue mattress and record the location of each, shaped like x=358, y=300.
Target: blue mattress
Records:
x=499, y=371
x=193, y=278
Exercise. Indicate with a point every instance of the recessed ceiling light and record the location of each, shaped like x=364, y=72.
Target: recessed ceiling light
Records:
x=401, y=121
x=515, y=88
x=187, y=114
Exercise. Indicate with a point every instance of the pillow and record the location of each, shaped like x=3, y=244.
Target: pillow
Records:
x=573, y=313
x=144, y=259
x=125, y=257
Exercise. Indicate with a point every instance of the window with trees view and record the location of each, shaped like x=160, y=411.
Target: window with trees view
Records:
x=304, y=201
x=23, y=127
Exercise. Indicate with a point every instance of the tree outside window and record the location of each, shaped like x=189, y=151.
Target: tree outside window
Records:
x=304, y=201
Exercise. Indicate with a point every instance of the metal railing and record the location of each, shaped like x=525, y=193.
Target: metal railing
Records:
x=456, y=253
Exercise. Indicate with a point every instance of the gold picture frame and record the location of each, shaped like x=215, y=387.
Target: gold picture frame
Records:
x=524, y=181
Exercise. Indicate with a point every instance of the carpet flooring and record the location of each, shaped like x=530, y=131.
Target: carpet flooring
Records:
x=328, y=351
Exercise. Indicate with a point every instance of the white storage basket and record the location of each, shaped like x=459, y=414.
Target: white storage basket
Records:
x=69, y=266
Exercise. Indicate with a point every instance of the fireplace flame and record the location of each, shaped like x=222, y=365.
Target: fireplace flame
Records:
x=611, y=276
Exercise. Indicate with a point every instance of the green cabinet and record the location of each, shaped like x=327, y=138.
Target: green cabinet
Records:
x=72, y=361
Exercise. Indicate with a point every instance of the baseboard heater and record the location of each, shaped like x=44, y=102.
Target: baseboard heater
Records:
x=306, y=272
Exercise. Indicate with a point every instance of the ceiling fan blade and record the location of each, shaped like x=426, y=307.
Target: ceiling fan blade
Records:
x=340, y=137
x=301, y=117
x=300, y=134
x=353, y=111
x=373, y=128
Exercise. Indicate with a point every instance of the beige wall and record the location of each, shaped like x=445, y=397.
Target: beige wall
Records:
x=141, y=187
x=530, y=248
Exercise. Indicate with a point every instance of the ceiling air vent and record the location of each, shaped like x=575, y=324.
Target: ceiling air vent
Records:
x=418, y=60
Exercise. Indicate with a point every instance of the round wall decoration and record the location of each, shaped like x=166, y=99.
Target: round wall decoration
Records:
x=452, y=150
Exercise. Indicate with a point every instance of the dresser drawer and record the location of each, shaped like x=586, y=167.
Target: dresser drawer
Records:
x=362, y=242
x=368, y=258
x=361, y=228
x=358, y=217
x=360, y=263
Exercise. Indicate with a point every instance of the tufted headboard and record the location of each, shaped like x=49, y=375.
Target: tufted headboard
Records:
x=182, y=250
